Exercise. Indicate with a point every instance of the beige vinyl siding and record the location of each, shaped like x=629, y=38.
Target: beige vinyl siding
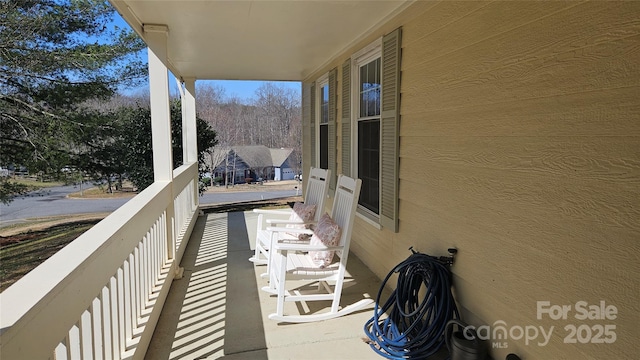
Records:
x=520, y=146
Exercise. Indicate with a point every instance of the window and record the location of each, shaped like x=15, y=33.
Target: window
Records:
x=370, y=89
x=323, y=124
x=367, y=123
x=370, y=127
x=319, y=111
x=369, y=163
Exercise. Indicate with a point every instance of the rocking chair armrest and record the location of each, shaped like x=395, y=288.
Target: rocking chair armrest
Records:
x=286, y=221
x=305, y=247
x=290, y=230
x=273, y=211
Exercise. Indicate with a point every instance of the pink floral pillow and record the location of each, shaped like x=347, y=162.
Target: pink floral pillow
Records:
x=327, y=232
x=302, y=212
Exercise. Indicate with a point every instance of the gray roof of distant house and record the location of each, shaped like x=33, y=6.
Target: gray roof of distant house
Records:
x=279, y=156
x=257, y=156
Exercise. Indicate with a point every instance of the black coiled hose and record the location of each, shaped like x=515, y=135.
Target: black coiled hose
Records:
x=414, y=328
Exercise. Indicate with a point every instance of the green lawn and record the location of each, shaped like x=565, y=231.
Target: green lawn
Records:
x=23, y=252
x=35, y=183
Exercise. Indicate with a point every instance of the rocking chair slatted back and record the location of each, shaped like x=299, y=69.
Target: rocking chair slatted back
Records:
x=317, y=187
x=344, y=209
x=315, y=194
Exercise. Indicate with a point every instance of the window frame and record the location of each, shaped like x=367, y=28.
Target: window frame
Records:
x=321, y=82
x=363, y=57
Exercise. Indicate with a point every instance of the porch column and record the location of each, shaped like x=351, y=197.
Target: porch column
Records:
x=156, y=36
x=189, y=127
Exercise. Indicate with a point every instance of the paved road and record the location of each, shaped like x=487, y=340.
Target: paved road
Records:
x=54, y=202
x=229, y=197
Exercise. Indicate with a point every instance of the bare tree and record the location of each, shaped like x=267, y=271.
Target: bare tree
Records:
x=217, y=155
x=209, y=101
x=277, y=107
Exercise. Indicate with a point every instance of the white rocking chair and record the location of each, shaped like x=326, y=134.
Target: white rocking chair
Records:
x=316, y=193
x=291, y=261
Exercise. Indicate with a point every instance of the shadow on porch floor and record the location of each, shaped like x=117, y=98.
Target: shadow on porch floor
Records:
x=217, y=310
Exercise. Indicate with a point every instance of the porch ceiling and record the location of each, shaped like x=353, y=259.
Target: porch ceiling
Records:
x=256, y=40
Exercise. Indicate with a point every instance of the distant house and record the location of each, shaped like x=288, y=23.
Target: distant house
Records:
x=243, y=164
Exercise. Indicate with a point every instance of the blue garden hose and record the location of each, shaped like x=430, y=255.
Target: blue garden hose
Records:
x=414, y=328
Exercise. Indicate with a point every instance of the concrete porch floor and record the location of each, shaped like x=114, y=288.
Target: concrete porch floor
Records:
x=217, y=309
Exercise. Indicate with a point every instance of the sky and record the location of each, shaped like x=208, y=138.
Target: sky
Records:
x=245, y=90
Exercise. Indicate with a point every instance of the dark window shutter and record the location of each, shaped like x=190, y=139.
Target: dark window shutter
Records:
x=333, y=113
x=346, y=118
x=308, y=119
x=312, y=122
x=389, y=125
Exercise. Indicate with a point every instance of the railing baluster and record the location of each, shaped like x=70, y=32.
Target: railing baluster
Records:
x=153, y=262
x=158, y=244
x=73, y=343
x=146, y=270
x=60, y=352
x=97, y=328
x=117, y=315
x=128, y=327
x=86, y=334
x=134, y=294
x=152, y=266
x=142, y=278
x=135, y=281
x=105, y=302
x=156, y=260
x=163, y=239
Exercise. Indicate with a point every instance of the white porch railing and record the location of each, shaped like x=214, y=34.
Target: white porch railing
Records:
x=101, y=295
x=186, y=183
